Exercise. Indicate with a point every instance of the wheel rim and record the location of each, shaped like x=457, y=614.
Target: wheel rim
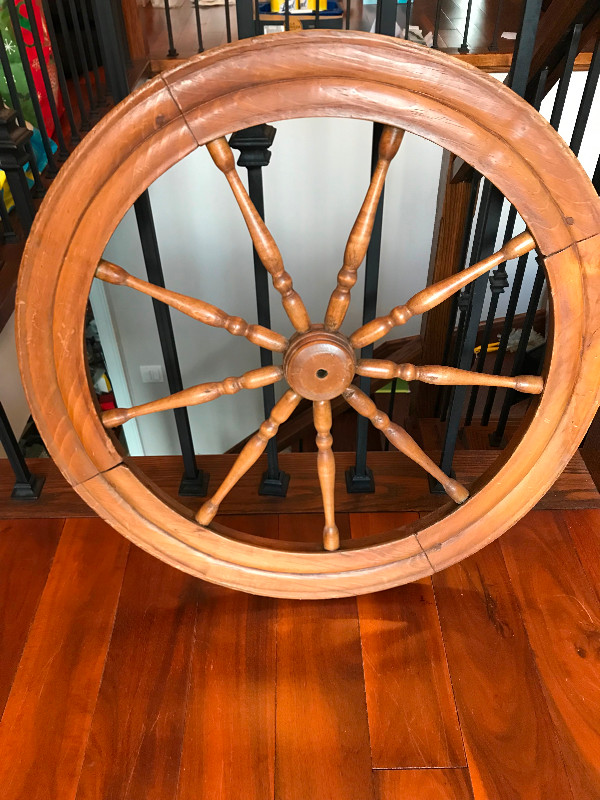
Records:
x=315, y=74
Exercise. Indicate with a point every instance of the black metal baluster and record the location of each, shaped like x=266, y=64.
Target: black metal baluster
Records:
x=85, y=11
x=464, y=48
x=75, y=137
x=436, y=24
x=317, y=13
x=516, y=288
x=463, y=303
x=82, y=56
x=586, y=100
x=62, y=145
x=485, y=234
x=596, y=178
x=228, y=20
x=85, y=120
x=253, y=144
x=498, y=283
x=14, y=154
x=348, y=13
x=38, y=187
x=14, y=18
x=407, y=18
x=359, y=477
x=286, y=15
x=257, y=30
x=493, y=46
x=497, y=437
x=172, y=52
x=27, y=486
x=563, y=85
x=194, y=481
x=8, y=232
x=198, y=26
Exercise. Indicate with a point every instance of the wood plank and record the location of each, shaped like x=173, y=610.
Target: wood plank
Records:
x=26, y=553
x=229, y=744
x=412, y=716
x=322, y=728
x=584, y=530
x=137, y=731
x=511, y=745
x=562, y=616
x=49, y=711
x=399, y=485
x=423, y=784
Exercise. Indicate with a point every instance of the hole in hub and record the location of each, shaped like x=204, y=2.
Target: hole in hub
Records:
x=322, y=373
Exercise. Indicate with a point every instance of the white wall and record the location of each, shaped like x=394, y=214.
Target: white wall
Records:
x=12, y=395
x=313, y=188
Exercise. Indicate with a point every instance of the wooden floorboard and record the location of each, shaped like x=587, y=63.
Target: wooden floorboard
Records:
x=412, y=716
x=512, y=752
x=322, y=729
x=133, y=680
x=400, y=485
x=26, y=553
x=229, y=745
x=46, y=722
x=562, y=616
x=422, y=784
x=136, y=738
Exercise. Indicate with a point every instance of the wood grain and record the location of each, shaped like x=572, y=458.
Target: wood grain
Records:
x=584, y=530
x=197, y=309
x=195, y=395
x=562, y=617
x=400, y=485
x=412, y=716
x=360, y=235
x=438, y=292
x=229, y=745
x=423, y=784
x=507, y=730
x=26, y=553
x=56, y=685
x=264, y=243
x=326, y=471
x=322, y=728
x=136, y=737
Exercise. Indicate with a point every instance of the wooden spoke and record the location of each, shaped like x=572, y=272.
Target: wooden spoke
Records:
x=252, y=450
x=403, y=441
x=263, y=241
x=434, y=295
x=198, y=309
x=326, y=470
x=195, y=395
x=360, y=235
x=447, y=376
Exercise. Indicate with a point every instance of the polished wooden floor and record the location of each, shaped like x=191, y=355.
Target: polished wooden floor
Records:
x=123, y=679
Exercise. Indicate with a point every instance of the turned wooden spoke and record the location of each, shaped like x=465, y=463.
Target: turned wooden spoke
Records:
x=263, y=241
x=198, y=309
x=326, y=470
x=360, y=235
x=403, y=441
x=195, y=395
x=434, y=295
x=251, y=452
x=447, y=376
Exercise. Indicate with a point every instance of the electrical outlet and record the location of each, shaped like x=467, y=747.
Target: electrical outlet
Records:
x=152, y=373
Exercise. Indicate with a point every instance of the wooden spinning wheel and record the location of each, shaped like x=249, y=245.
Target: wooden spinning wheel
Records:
x=324, y=73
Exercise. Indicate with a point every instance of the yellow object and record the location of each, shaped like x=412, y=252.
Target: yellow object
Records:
x=297, y=6
x=491, y=348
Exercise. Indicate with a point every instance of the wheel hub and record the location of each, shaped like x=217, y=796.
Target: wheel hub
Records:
x=319, y=364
